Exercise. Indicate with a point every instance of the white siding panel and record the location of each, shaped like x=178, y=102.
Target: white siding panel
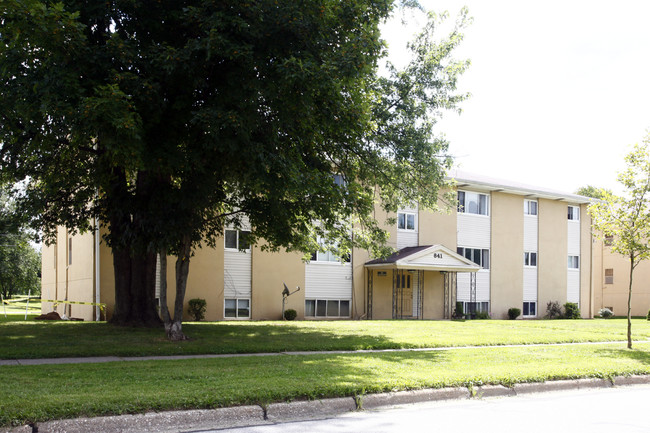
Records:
x=573, y=238
x=406, y=239
x=482, y=286
x=573, y=286
x=530, y=284
x=237, y=274
x=530, y=233
x=328, y=281
x=473, y=230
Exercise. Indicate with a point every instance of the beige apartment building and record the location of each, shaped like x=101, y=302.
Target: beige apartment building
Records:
x=612, y=281
x=505, y=245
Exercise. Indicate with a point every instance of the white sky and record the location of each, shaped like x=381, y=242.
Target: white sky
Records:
x=560, y=89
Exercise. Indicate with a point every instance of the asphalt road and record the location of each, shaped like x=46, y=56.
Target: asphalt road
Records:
x=609, y=410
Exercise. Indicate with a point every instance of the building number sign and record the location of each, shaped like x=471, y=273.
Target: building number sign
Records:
x=437, y=255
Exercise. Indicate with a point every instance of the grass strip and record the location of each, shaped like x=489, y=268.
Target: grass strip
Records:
x=40, y=393
x=19, y=339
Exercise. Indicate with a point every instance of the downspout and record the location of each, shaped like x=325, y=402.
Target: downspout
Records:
x=97, y=274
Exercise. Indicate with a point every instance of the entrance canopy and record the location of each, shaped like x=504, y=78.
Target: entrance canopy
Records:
x=426, y=258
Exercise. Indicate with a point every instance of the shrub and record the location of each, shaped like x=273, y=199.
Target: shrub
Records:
x=553, y=310
x=606, y=313
x=571, y=311
x=513, y=313
x=290, y=314
x=648, y=316
x=196, y=307
x=482, y=315
x=458, y=312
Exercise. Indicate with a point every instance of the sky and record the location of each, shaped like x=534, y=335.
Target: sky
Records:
x=560, y=90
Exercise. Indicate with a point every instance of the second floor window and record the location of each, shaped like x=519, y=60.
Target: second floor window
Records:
x=237, y=240
x=530, y=207
x=574, y=262
x=405, y=221
x=472, y=202
x=573, y=213
x=530, y=259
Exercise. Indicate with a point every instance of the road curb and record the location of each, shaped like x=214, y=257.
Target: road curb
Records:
x=172, y=421
x=239, y=416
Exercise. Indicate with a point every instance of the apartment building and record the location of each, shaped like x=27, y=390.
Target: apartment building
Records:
x=504, y=245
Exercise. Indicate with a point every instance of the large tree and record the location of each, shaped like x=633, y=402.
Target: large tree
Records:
x=168, y=120
x=627, y=218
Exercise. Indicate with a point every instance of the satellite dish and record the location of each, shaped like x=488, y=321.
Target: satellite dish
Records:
x=285, y=292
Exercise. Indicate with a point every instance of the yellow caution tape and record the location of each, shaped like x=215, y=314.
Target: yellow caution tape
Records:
x=101, y=306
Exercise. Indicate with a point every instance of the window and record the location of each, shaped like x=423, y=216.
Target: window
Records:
x=609, y=276
x=574, y=262
x=339, y=180
x=574, y=213
x=328, y=256
x=475, y=307
x=327, y=308
x=237, y=240
x=472, y=202
x=479, y=256
x=237, y=308
x=530, y=259
x=530, y=207
x=609, y=239
x=406, y=221
x=530, y=309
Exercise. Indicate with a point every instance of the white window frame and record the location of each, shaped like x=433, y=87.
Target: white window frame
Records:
x=238, y=234
x=573, y=260
x=327, y=257
x=327, y=301
x=528, y=259
x=573, y=213
x=479, y=305
x=406, y=218
x=528, y=208
x=237, y=317
x=483, y=253
x=523, y=309
x=463, y=208
x=609, y=279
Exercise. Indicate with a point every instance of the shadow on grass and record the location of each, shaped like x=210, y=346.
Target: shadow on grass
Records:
x=79, y=339
x=632, y=354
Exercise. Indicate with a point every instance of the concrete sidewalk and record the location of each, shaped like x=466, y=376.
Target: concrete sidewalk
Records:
x=212, y=419
x=102, y=359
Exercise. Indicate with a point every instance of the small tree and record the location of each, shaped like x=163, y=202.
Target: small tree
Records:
x=627, y=218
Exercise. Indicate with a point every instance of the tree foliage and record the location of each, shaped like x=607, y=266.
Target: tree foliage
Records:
x=593, y=192
x=627, y=218
x=169, y=120
x=20, y=263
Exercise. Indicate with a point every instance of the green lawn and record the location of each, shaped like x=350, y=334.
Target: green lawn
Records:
x=40, y=393
x=33, y=339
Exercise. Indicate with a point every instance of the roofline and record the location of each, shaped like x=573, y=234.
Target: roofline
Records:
x=463, y=179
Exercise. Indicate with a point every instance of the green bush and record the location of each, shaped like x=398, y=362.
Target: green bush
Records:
x=606, y=313
x=513, y=313
x=571, y=311
x=196, y=307
x=458, y=312
x=290, y=314
x=553, y=310
x=648, y=316
x=482, y=315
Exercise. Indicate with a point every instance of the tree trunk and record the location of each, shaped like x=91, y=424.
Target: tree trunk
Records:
x=164, y=309
x=135, y=286
x=135, y=272
x=175, y=329
x=629, y=305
